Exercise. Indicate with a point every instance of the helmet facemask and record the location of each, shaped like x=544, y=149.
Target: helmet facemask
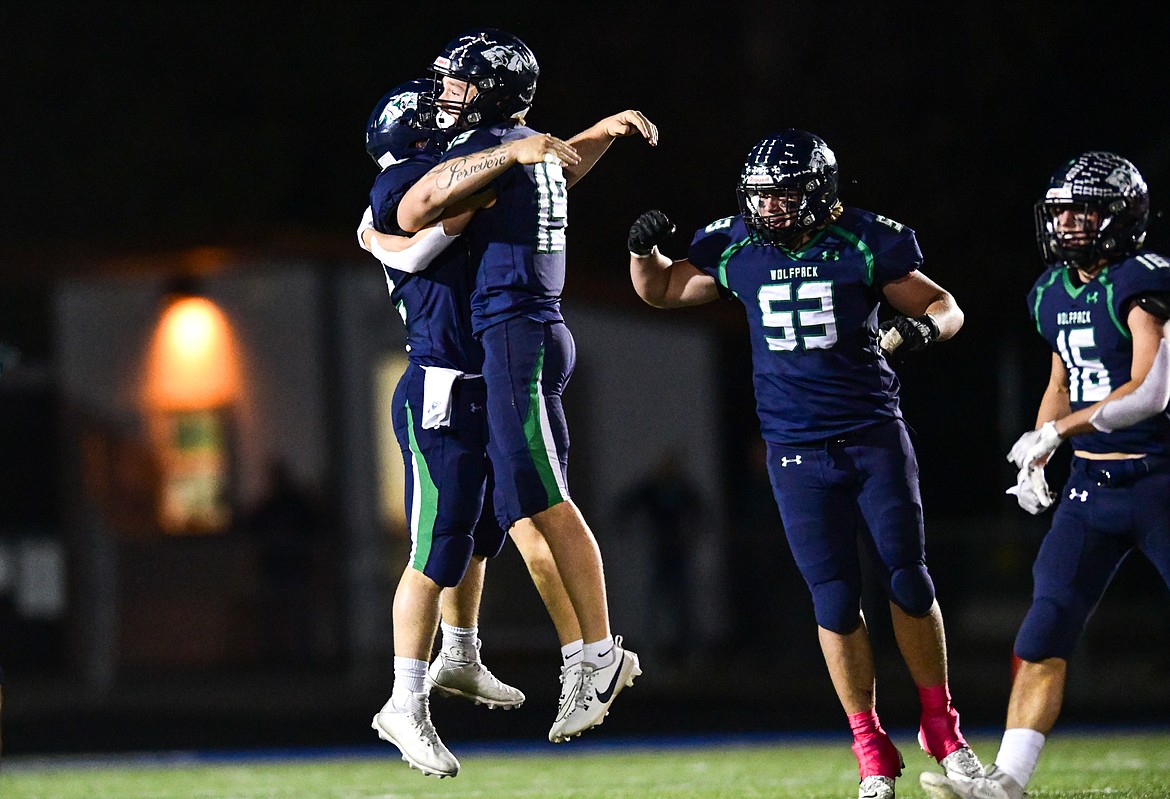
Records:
x=781, y=211
x=1071, y=231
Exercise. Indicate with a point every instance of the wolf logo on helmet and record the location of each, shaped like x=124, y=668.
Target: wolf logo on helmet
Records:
x=505, y=58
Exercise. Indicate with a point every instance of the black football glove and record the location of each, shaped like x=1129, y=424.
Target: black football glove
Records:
x=1157, y=304
x=909, y=333
x=648, y=231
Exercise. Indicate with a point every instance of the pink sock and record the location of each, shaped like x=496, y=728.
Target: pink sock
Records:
x=876, y=753
x=939, y=731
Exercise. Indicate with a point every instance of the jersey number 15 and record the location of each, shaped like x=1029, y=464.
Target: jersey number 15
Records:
x=1088, y=379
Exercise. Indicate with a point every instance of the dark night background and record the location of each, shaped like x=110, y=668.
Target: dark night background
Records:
x=133, y=128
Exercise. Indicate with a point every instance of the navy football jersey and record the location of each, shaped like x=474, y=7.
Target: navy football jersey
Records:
x=435, y=304
x=813, y=316
x=517, y=245
x=1086, y=326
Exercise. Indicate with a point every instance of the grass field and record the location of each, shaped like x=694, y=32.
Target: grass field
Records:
x=1074, y=766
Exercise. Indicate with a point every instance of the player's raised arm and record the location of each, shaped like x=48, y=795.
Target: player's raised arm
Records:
x=658, y=280
x=592, y=142
x=929, y=313
x=457, y=179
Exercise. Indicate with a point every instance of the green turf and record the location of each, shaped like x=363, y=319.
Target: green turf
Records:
x=1074, y=766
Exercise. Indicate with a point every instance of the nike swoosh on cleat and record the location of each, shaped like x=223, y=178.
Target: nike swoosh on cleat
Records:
x=608, y=692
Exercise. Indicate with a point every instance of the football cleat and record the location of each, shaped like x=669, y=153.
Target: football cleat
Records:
x=453, y=675
x=876, y=787
x=411, y=730
x=570, y=685
x=995, y=785
x=962, y=762
x=597, y=687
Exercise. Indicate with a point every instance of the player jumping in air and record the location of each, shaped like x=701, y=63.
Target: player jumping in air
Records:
x=485, y=84
x=440, y=424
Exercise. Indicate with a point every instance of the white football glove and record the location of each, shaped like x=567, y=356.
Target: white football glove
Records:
x=1035, y=446
x=1031, y=490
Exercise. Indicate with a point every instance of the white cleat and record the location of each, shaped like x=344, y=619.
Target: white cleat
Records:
x=597, y=688
x=452, y=675
x=996, y=785
x=876, y=787
x=570, y=685
x=962, y=763
x=411, y=730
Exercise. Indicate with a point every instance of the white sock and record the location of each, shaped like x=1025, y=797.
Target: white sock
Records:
x=410, y=677
x=1018, y=753
x=463, y=641
x=600, y=653
x=573, y=653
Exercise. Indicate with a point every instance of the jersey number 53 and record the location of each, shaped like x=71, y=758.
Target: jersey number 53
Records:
x=814, y=328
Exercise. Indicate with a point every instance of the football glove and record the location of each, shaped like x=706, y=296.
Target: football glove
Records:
x=1035, y=446
x=648, y=231
x=1031, y=490
x=909, y=333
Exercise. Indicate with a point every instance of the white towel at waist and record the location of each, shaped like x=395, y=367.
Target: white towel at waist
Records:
x=438, y=383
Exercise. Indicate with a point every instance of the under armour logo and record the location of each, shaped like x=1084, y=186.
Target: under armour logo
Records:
x=474, y=408
x=1083, y=496
x=786, y=460
x=1091, y=297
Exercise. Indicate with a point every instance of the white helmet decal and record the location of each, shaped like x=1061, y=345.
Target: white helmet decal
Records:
x=504, y=57
x=398, y=105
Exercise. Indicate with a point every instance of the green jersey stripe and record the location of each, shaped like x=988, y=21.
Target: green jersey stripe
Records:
x=424, y=504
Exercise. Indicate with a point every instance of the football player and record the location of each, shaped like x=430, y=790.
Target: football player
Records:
x=485, y=81
x=440, y=425
x=811, y=274
x=1100, y=304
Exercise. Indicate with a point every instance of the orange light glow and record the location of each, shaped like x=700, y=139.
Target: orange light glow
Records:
x=193, y=364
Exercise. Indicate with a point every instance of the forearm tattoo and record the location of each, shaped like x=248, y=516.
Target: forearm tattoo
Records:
x=462, y=169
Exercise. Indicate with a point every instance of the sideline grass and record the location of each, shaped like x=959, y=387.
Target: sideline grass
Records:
x=1075, y=766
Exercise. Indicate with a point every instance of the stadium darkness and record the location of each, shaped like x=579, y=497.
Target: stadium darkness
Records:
x=138, y=128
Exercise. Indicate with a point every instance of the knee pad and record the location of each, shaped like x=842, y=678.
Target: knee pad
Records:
x=446, y=563
x=1050, y=630
x=912, y=590
x=837, y=605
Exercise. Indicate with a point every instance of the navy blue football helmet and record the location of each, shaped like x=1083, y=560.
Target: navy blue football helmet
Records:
x=788, y=186
x=1095, y=209
x=501, y=68
x=395, y=130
